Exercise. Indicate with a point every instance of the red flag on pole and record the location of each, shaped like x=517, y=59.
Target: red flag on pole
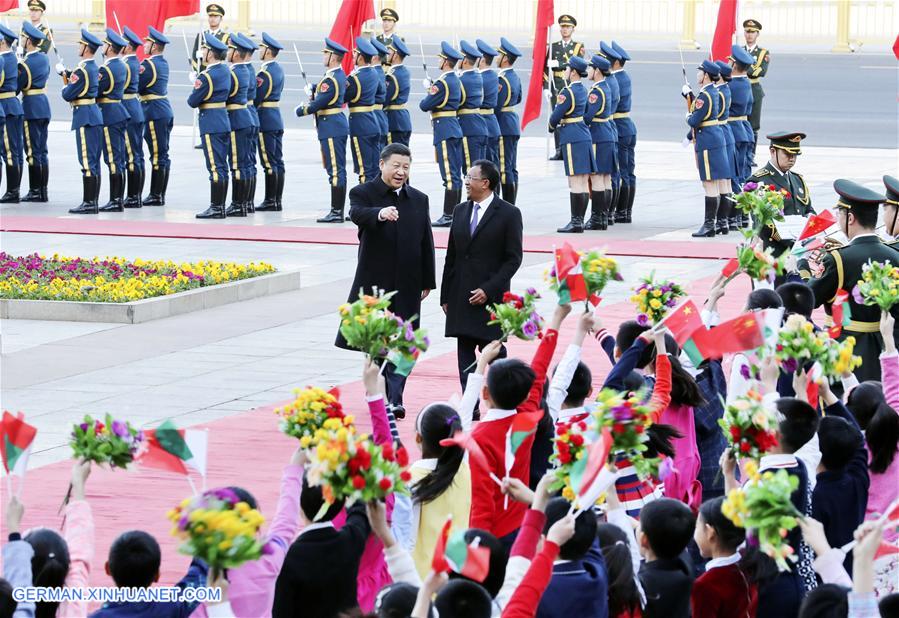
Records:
x=724, y=30
x=8, y=5
x=544, y=21
x=138, y=14
x=896, y=47
x=348, y=25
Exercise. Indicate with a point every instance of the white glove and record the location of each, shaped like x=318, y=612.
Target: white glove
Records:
x=686, y=90
x=192, y=76
x=547, y=94
x=60, y=68
x=308, y=90
x=200, y=54
x=20, y=52
x=554, y=64
x=426, y=83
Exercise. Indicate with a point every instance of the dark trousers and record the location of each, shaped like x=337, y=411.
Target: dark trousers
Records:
x=395, y=383
x=36, y=141
x=465, y=347
x=156, y=134
x=134, y=148
x=399, y=137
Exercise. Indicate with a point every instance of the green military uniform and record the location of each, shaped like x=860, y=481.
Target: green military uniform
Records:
x=891, y=184
x=843, y=269
x=46, y=43
x=756, y=72
x=387, y=39
x=221, y=34
x=560, y=53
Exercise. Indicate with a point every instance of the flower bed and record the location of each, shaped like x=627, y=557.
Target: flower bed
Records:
x=112, y=279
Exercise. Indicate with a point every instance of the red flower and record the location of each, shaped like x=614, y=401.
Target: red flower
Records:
x=387, y=451
x=99, y=427
x=745, y=447
x=353, y=466
x=507, y=296
x=405, y=476
x=358, y=482
x=402, y=457
x=640, y=429
x=385, y=484
x=564, y=458
x=577, y=439
x=492, y=317
x=618, y=428
x=735, y=432
x=772, y=188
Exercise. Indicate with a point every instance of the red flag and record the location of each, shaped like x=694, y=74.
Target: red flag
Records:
x=731, y=267
x=158, y=457
x=16, y=437
x=724, y=30
x=475, y=454
x=438, y=562
x=817, y=224
x=543, y=22
x=572, y=286
x=840, y=313
x=742, y=333
x=138, y=14
x=896, y=47
x=683, y=321
x=348, y=25
x=8, y=5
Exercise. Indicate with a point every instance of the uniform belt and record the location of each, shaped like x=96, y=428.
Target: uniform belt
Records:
x=218, y=105
x=361, y=108
x=595, y=120
x=107, y=100
x=329, y=112
x=447, y=114
x=377, y=107
x=468, y=111
x=754, y=80
x=486, y=111
x=708, y=123
x=78, y=102
x=7, y=95
x=129, y=95
x=508, y=110
x=395, y=107
x=144, y=98
x=233, y=107
x=34, y=91
x=269, y=104
x=862, y=327
x=737, y=118
x=571, y=120
x=617, y=115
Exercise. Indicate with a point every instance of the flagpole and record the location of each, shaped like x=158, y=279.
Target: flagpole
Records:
x=9, y=484
x=192, y=486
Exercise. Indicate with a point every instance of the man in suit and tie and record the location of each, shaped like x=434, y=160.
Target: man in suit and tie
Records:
x=482, y=255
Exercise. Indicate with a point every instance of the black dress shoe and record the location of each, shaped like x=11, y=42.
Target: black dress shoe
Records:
x=335, y=216
x=399, y=412
x=86, y=208
x=112, y=206
x=236, y=210
x=444, y=221
x=213, y=212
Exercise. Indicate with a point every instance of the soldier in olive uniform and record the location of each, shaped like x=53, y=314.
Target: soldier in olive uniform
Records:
x=757, y=71
x=841, y=269
x=891, y=210
x=36, y=10
x=389, y=17
x=214, y=14
x=560, y=53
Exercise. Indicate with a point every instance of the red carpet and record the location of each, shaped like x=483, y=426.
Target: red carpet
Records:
x=344, y=236
x=248, y=450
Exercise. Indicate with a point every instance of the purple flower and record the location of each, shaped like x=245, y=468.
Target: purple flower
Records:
x=643, y=319
x=410, y=334
x=665, y=288
x=789, y=365
x=120, y=428
x=183, y=522
x=427, y=342
x=531, y=291
x=857, y=295
x=84, y=426
x=529, y=329
x=745, y=372
x=751, y=539
x=622, y=413
x=223, y=493
x=750, y=186
x=671, y=302
x=618, y=277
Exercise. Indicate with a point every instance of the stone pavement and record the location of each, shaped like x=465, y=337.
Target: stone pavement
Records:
x=208, y=365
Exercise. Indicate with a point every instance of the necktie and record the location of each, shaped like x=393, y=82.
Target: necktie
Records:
x=474, y=218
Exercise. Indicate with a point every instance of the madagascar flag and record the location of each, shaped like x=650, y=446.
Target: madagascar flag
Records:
x=16, y=437
x=438, y=562
x=683, y=321
x=403, y=363
x=471, y=561
x=174, y=450
x=585, y=470
x=523, y=426
x=743, y=333
x=572, y=286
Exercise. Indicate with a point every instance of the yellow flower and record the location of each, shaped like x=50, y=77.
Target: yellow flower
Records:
x=655, y=303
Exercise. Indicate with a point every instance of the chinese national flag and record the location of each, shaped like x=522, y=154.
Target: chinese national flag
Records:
x=731, y=267
x=817, y=224
x=138, y=14
x=572, y=286
x=683, y=321
x=544, y=21
x=724, y=30
x=348, y=25
x=738, y=335
x=896, y=47
x=8, y=5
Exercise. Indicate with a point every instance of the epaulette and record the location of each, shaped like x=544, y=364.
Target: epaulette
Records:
x=762, y=171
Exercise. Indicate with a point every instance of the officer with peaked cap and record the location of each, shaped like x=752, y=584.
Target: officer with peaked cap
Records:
x=241, y=122
x=215, y=13
x=36, y=10
x=158, y=116
x=331, y=125
x=32, y=82
x=399, y=122
x=624, y=178
x=740, y=108
x=723, y=221
x=609, y=53
x=365, y=130
x=210, y=93
x=381, y=95
x=758, y=70
x=490, y=81
x=389, y=17
x=254, y=117
x=891, y=209
x=708, y=142
x=12, y=147
x=134, y=129
x=508, y=95
x=442, y=101
x=598, y=116
x=269, y=86
x=560, y=52
x=785, y=148
x=474, y=127
x=840, y=269
x=80, y=91
x=111, y=89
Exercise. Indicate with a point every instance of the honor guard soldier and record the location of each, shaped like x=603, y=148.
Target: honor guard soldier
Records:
x=508, y=95
x=560, y=52
x=857, y=210
x=254, y=115
x=365, y=130
x=473, y=125
x=113, y=76
x=785, y=147
x=80, y=92
x=269, y=85
x=36, y=10
x=723, y=221
x=388, y=35
x=241, y=122
x=134, y=129
x=381, y=94
x=13, y=148
x=607, y=52
x=33, y=73
x=211, y=91
x=567, y=119
x=399, y=123
x=490, y=81
x=442, y=101
x=758, y=70
x=708, y=141
x=740, y=107
x=157, y=110
x=214, y=15
x=891, y=209
x=627, y=139
x=331, y=125
x=598, y=117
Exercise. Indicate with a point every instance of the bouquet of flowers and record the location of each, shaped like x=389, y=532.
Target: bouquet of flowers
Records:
x=219, y=529
x=114, y=442
x=517, y=316
x=749, y=427
x=759, y=264
x=654, y=299
x=311, y=407
x=569, y=446
x=352, y=467
x=627, y=418
x=879, y=285
x=797, y=343
x=598, y=271
x=765, y=203
x=838, y=358
x=406, y=346
x=368, y=325
x=763, y=507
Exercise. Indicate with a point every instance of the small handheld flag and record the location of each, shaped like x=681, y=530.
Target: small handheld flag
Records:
x=16, y=438
x=730, y=267
x=469, y=560
x=176, y=450
x=438, y=562
x=572, y=286
x=817, y=224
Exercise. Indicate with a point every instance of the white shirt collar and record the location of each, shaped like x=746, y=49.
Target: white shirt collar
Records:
x=268, y=62
x=749, y=49
x=486, y=202
x=865, y=234
x=445, y=73
x=776, y=167
x=709, y=85
x=316, y=526
x=779, y=460
x=471, y=70
x=495, y=414
x=332, y=69
x=721, y=562
x=617, y=71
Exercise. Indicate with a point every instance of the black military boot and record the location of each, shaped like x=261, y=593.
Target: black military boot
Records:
x=629, y=207
x=707, y=229
x=34, y=184
x=88, y=206
x=270, y=202
x=250, y=197
x=576, y=224
x=621, y=207
x=613, y=204
x=116, y=188
x=722, y=215
x=733, y=214
x=557, y=156
x=134, y=189
x=597, y=214
x=338, y=198
x=450, y=199
x=13, y=176
x=218, y=191
x=238, y=206
x=154, y=198
x=279, y=190
x=509, y=190
x=45, y=178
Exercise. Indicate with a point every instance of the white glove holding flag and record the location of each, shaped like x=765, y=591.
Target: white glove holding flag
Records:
x=308, y=90
x=547, y=94
x=427, y=83
x=686, y=90
x=200, y=54
x=20, y=52
x=192, y=76
x=60, y=68
x=554, y=64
